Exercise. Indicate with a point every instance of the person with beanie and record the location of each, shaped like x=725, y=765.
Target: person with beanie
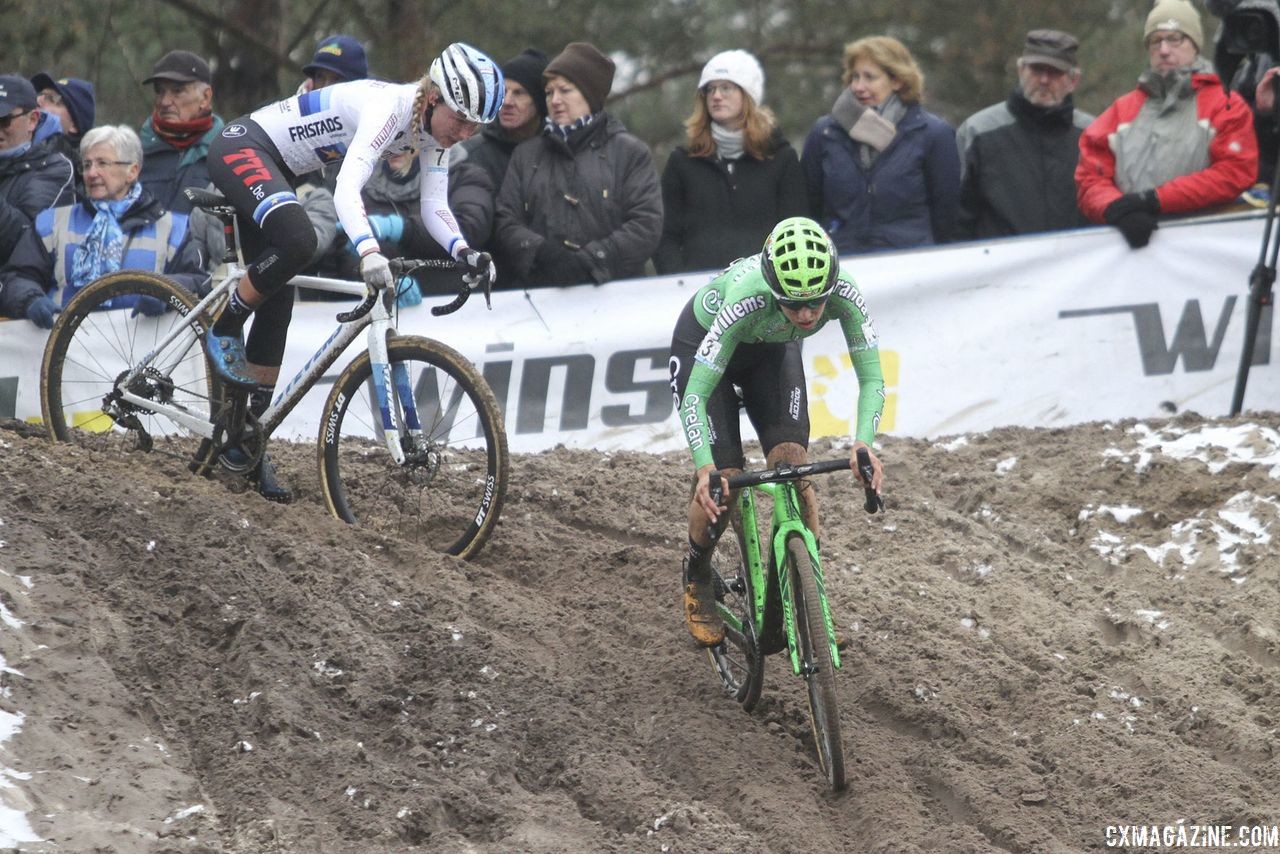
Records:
x=477, y=168
x=723, y=191
x=580, y=202
x=68, y=106
x=176, y=137
x=1018, y=157
x=882, y=171
x=1145, y=155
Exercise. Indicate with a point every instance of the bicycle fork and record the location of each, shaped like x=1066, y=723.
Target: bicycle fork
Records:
x=781, y=535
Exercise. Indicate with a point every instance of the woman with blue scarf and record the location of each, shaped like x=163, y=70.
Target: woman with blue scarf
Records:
x=117, y=225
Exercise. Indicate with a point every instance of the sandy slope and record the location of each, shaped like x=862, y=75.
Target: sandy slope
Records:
x=203, y=671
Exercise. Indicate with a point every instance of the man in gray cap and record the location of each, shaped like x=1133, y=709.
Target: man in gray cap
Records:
x=175, y=139
x=1018, y=157
x=33, y=175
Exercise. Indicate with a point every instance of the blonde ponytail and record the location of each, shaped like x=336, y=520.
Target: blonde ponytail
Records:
x=425, y=85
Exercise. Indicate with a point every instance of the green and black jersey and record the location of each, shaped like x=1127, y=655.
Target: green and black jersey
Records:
x=738, y=307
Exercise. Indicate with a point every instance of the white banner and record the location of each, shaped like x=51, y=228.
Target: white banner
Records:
x=1037, y=331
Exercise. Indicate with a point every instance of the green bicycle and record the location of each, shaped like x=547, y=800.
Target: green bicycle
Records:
x=776, y=599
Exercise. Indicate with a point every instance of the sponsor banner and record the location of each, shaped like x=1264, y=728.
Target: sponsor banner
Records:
x=1040, y=332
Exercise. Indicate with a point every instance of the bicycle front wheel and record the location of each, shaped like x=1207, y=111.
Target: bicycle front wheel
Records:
x=98, y=338
x=819, y=669
x=448, y=492
x=738, y=660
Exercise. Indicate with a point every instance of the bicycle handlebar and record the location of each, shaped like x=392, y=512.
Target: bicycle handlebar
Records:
x=405, y=266
x=717, y=483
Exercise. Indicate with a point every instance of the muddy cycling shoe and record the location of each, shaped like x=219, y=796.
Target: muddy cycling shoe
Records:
x=700, y=613
x=263, y=476
x=226, y=352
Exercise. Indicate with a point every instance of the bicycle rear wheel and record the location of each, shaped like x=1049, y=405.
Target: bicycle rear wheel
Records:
x=738, y=661
x=448, y=493
x=819, y=669
x=95, y=341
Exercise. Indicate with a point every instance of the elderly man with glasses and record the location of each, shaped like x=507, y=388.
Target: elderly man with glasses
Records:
x=33, y=175
x=1018, y=157
x=118, y=225
x=1178, y=144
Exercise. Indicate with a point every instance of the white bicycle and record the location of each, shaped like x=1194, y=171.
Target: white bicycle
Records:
x=411, y=439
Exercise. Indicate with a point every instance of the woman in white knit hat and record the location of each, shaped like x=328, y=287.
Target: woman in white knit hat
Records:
x=735, y=178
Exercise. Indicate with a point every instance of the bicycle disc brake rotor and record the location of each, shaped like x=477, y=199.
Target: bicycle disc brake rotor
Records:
x=422, y=459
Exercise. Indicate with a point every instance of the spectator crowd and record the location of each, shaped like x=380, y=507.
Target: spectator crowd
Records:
x=559, y=192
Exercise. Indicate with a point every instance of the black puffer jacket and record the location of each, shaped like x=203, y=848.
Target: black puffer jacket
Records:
x=41, y=177
x=716, y=211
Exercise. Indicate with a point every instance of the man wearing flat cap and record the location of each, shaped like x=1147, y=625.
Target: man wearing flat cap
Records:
x=175, y=140
x=34, y=174
x=1018, y=158
x=1177, y=144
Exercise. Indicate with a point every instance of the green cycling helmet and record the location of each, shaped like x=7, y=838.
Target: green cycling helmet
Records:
x=799, y=261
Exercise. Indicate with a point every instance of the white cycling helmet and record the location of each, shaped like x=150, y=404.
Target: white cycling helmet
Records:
x=469, y=81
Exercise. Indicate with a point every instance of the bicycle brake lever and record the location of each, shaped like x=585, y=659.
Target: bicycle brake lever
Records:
x=873, y=500
x=716, y=491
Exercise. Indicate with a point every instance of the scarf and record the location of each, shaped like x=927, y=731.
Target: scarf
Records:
x=728, y=142
x=15, y=151
x=872, y=129
x=1172, y=86
x=103, y=247
x=566, y=131
x=181, y=135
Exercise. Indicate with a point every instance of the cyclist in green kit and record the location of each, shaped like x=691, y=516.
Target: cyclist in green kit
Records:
x=737, y=345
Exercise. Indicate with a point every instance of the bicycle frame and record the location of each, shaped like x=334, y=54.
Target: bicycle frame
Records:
x=380, y=325
x=787, y=520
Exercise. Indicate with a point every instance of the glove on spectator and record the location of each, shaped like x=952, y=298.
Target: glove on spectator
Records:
x=389, y=227
x=1135, y=215
x=407, y=292
x=40, y=311
x=557, y=264
x=150, y=306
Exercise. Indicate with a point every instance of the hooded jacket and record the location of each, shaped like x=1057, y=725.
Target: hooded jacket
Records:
x=909, y=197
x=154, y=240
x=599, y=191
x=39, y=178
x=714, y=214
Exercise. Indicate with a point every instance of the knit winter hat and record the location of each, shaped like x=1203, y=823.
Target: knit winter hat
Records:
x=586, y=67
x=1175, y=15
x=526, y=69
x=739, y=67
x=77, y=94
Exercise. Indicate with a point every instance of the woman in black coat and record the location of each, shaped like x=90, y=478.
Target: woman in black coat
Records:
x=737, y=177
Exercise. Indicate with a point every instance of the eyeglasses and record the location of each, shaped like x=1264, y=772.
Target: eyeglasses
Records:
x=719, y=88
x=1171, y=39
x=5, y=121
x=51, y=96
x=814, y=303
x=86, y=165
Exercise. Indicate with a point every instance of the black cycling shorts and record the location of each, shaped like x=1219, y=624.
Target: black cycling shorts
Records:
x=766, y=379
x=276, y=235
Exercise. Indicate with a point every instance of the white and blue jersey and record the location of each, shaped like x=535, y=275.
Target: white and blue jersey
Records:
x=357, y=124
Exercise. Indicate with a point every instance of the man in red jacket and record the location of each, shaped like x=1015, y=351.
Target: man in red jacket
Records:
x=1176, y=144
